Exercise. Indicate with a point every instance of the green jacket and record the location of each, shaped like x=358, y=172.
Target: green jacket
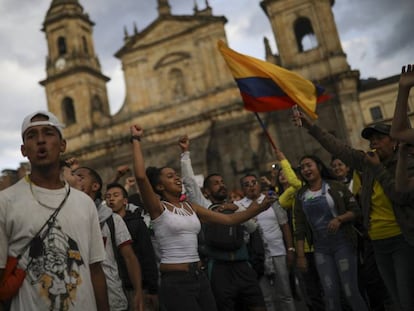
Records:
x=402, y=203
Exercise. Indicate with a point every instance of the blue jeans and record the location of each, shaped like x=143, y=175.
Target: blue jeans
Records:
x=311, y=285
x=336, y=263
x=276, y=292
x=395, y=261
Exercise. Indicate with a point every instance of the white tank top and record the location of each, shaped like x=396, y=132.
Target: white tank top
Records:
x=176, y=232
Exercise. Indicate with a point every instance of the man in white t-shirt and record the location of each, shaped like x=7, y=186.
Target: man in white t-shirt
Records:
x=90, y=182
x=278, y=244
x=63, y=267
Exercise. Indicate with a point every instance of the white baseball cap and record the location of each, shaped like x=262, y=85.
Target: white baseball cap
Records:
x=52, y=120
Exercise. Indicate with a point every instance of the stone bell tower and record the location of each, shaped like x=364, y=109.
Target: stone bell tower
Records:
x=308, y=43
x=75, y=86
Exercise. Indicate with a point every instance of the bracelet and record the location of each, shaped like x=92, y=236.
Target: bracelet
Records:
x=291, y=249
x=134, y=137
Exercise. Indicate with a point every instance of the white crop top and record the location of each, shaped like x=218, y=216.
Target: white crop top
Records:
x=176, y=233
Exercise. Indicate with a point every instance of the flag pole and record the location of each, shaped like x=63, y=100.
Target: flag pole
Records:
x=265, y=131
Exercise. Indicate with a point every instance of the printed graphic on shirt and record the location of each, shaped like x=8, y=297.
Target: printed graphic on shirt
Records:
x=53, y=267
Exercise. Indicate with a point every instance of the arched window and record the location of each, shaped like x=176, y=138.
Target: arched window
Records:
x=85, y=45
x=376, y=113
x=176, y=78
x=305, y=36
x=69, y=115
x=62, y=49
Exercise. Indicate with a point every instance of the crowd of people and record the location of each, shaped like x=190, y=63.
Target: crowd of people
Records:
x=335, y=238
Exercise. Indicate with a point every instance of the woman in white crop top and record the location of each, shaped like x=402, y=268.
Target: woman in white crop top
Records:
x=184, y=284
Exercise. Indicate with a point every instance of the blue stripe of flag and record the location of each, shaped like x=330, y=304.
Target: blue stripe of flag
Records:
x=259, y=87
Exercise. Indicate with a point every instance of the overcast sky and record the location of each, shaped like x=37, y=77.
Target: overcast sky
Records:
x=376, y=36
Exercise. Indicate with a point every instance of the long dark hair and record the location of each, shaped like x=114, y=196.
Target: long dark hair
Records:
x=279, y=187
x=324, y=171
x=153, y=173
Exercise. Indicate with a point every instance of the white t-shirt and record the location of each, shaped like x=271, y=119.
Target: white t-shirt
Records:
x=116, y=295
x=269, y=222
x=60, y=278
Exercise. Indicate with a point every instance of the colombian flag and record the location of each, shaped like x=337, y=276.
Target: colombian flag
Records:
x=267, y=87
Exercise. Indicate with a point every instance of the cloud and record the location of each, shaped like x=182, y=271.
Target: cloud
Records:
x=376, y=35
x=398, y=35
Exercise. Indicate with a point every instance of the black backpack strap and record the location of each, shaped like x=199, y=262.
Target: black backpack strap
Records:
x=111, y=225
x=214, y=206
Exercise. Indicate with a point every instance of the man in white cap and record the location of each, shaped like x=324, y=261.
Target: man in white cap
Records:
x=51, y=230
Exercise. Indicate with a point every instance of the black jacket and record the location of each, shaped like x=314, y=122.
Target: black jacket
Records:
x=144, y=251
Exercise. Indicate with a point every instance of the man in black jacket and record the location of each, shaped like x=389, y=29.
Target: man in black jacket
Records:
x=117, y=199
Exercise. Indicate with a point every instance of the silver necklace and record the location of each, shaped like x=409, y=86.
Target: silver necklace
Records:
x=45, y=205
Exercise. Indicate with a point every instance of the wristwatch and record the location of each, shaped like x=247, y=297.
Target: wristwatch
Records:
x=291, y=249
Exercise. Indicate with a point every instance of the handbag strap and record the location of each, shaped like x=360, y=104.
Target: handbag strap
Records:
x=51, y=219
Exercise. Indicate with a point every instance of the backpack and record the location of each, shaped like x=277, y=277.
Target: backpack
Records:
x=118, y=257
x=223, y=237
x=143, y=249
x=256, y=251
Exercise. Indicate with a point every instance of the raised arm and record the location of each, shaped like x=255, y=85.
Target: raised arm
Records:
x=208, y=216
x=403, y=182
x=149, y=197
x=287, y=198
x=290, y=174
x=352, y=157
x=400, y=129
x=186, y=166
x=119, y=173
x=193, y=191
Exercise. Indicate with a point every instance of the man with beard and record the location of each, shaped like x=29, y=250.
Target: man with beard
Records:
x=233, y=280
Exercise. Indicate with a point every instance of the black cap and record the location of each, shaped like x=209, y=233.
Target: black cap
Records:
x=381, y=128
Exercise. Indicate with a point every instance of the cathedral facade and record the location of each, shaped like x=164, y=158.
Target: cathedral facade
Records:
x=177, y=83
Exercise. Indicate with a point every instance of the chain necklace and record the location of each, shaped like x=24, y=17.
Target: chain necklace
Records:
x=45, y=205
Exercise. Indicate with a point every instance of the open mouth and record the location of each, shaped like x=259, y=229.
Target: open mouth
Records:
x=308, y=175
x=41, y=152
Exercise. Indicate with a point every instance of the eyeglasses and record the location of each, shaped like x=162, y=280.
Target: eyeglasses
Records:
x=251, y=183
